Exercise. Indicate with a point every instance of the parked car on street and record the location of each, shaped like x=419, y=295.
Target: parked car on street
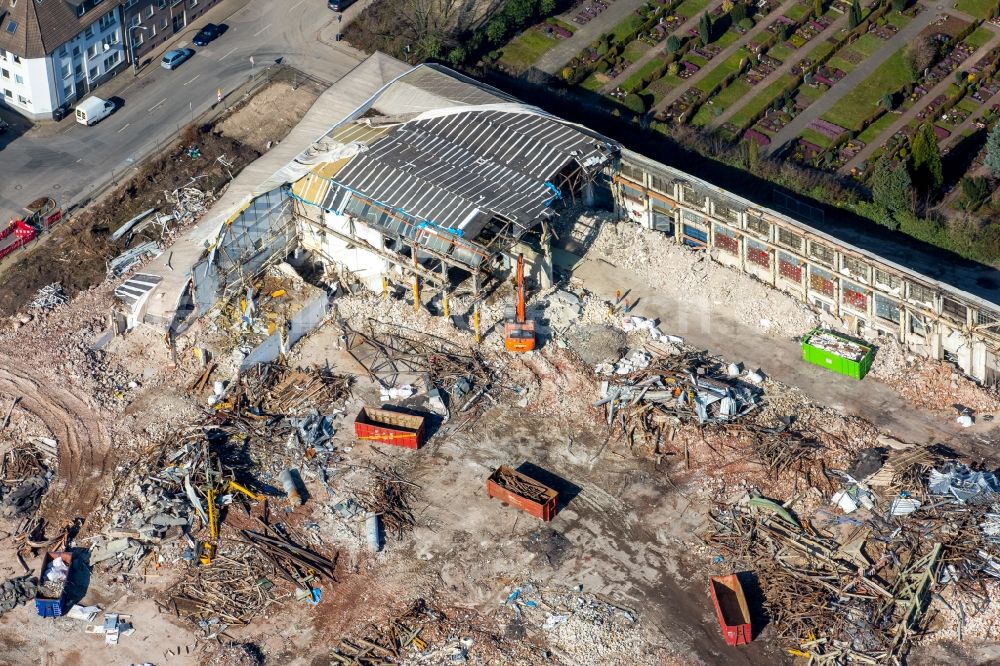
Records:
x=339, y=5
x=173, y=59
x=93, y=110
x=207, y=34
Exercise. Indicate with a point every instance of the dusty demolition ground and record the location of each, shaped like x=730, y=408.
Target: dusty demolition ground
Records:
x=651, y=503
x=619, y=576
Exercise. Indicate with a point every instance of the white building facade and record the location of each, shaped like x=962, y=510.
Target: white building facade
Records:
x=56, y=70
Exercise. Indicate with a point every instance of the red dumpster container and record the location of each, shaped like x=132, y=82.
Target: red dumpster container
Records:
x=520, y=490
x=388, y=427
x=731, y=609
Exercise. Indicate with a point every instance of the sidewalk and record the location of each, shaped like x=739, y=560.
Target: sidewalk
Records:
x=904, y=119
x=672, y=96
x=560, y=54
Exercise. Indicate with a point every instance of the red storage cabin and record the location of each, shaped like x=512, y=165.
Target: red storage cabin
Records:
x=388, y=427
x=523, y=492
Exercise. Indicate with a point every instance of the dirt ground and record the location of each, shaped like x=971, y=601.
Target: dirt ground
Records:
x=269, y=115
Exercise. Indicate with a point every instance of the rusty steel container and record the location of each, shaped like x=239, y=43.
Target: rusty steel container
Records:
x=388, y=427
x=521, y=491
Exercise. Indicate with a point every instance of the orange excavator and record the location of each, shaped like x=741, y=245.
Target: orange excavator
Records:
x=518, y=332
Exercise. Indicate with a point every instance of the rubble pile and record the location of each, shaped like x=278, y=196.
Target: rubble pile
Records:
x=16, y=591
x=848, y=584
x=654, y=391
x=929, y=383
x=676, y=271
x=49, y=297
x=579, y=628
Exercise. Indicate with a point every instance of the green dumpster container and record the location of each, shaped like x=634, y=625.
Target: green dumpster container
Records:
x=855, y=361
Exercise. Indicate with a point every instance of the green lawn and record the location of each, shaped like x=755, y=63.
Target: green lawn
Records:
x=867, y=44
x=810, y=93
x=642, y=73
x=797, y=12
x=625, y=28
x=978, y=8
x=522, y=52
x=593, y=83
x=781, y=52
x=760, y=101
x=836, y=62
x=821, y=50
x=898, y=19
x=812, y=136
x=705, y=114
x=659, y=89
x=979, y=38
x=635, y=49
x=873, y=131
x=723, y=69
x=861, y=101
x=731, y=93
x=689, y=8
x=696, y=59
x=727, y=39
x=968, y=104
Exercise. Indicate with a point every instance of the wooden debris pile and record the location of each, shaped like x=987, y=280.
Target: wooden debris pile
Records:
x=857, y=583
x=229, y=593
x=389, y=496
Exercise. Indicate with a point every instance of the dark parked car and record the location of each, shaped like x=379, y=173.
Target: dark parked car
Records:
x=339, y=5
x=173, y=59
x=207, y=34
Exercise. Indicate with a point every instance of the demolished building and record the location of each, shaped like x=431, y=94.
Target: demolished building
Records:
x=420, y=173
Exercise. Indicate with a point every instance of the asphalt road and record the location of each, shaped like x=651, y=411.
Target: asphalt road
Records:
x=67, y=159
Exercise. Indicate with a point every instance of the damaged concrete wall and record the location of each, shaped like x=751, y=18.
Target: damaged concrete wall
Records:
x=860, y=291
x=367, y=266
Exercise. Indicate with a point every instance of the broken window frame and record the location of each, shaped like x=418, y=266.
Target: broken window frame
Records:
x=759, y=227
x=758, y=254
x=694, y=197
x=887, y=309
x=661, y=184
x=726, y=239
x=855, y=268
x=789, y=239
x=918, y=293
x=887, y=282
x=822, y=282
x=663, y=215
x=854, y=296
x=633, y=172
x=790, y=268
x=955, y=310
x=631, y=193
x=821, y=254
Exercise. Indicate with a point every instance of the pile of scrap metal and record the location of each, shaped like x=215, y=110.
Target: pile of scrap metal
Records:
x=855, y=585
x=396, y=356
x=649, y=392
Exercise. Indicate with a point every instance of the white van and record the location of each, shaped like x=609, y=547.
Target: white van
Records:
x=93, y=109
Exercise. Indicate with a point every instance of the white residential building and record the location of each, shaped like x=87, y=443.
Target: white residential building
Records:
x=53, y=52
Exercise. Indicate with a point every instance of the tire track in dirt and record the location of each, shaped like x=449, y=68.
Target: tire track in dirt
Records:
x=84, y=442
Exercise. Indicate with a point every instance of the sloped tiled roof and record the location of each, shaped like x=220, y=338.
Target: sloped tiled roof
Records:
x=42, y=26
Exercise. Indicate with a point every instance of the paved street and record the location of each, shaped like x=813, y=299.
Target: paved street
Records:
x=67, y=159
